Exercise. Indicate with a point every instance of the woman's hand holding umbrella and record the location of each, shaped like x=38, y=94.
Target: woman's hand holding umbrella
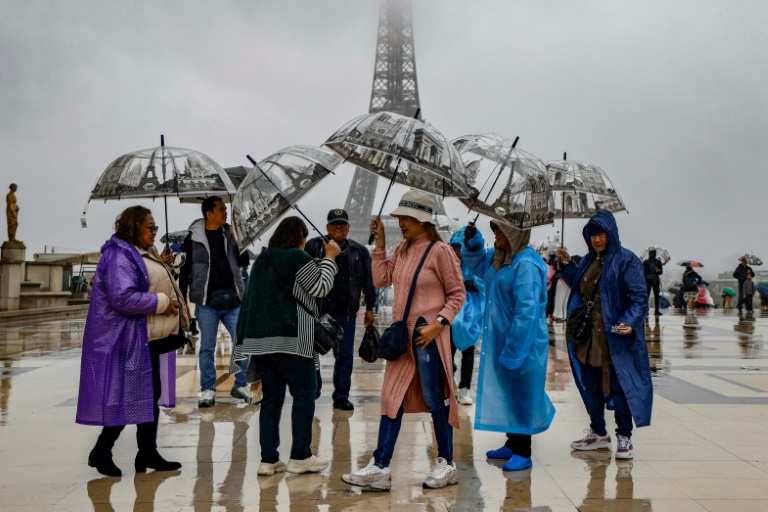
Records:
x=332, y=249
x=377, y=230
x=563, y=255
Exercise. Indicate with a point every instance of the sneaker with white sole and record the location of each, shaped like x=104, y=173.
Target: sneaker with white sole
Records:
x=242, y=393
x=463, y=397
x=442, y=474
x=313, y=464
x=207, y=398
x=623, y=447
x=370, y=477
x=267, y=469
x=257, y=395
x=592, y=441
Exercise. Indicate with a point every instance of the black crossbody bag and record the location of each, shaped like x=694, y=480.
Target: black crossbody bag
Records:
x=328, y=332
x=578, y=327
x=394, y=340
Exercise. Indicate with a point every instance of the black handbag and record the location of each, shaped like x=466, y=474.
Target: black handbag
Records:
x=578, y=327
x=394, y=340
x=328, y=332
x=169, y=343
x=369, y=347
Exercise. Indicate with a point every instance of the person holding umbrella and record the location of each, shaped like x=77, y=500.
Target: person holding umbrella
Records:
x=653, y=268
x=612, y=365
x=513, y=358
x=740, y=274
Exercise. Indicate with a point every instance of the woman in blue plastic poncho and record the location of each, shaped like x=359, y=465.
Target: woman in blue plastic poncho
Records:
x=612, y=367
x=513, y=358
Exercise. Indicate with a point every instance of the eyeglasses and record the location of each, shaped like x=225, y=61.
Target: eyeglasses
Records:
x=153, y=229
x=495, y=228
x=598, y=235
x=338, y=224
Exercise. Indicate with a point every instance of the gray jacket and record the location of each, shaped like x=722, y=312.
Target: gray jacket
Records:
x=196, y=270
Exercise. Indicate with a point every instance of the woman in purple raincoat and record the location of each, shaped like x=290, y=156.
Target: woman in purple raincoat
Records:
x=119, y=375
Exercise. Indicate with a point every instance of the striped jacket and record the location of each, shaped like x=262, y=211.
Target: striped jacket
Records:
x=272, y=322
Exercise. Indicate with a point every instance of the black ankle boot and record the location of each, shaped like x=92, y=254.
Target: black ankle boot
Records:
x=101, y=459
x=153, y=460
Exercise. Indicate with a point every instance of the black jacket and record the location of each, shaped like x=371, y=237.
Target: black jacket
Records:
x=359, y=277
x=652, y=269
x=740, y=273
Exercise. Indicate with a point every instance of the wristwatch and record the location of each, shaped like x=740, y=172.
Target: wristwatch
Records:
x=445, y=323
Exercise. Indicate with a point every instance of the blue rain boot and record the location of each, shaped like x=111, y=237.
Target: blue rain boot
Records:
x=499, y=453
x=517, y=463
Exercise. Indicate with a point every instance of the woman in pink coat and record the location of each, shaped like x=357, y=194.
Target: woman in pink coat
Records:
x=417, y=381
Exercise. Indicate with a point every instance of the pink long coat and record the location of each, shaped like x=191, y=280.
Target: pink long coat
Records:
x=439, y=292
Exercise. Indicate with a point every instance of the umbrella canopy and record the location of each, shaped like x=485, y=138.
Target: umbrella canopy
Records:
x=446, y=226
x=762, y=290
x=161, y=172
x=752, y=259
x=729, y=291
x=689, y=263
x=275, y=185
x=661, y=253
x=174, y=237
x=507, y=183
x=378, y=142
x=581, y=189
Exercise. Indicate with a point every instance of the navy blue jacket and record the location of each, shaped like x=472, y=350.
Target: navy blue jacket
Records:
x=624, y=299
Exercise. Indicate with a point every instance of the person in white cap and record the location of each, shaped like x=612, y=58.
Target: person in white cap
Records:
x=417, y=381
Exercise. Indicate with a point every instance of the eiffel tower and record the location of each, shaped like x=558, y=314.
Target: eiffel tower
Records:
x=395, y=89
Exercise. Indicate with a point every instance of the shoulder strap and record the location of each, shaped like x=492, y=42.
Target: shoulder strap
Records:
x=281, y=285
x=413, y=284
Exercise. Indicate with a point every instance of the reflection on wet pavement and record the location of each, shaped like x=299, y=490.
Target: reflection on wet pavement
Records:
x=706, y=451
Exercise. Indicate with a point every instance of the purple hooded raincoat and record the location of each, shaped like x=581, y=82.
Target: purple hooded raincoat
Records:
x=116, y=372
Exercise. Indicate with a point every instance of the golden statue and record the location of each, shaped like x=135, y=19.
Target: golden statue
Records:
x=12, y=212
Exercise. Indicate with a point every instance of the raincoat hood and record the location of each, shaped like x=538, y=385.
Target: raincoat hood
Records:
x=603, y=221
x=458, y=236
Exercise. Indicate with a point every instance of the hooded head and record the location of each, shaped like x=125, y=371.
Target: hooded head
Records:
x=603, y=222
x=518, y=241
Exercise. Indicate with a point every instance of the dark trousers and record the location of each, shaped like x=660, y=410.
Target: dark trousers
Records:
x=592, y=379
x=741, y=295
x=520, y=444
x=748, y=301
x=344, y=352
x=278, y=371
x=146, y=433
x=467, y=364
x=653, y=285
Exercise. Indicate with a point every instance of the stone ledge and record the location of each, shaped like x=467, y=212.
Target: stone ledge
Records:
x=26, y=316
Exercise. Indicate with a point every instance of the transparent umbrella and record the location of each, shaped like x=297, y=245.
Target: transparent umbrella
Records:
x=507, y=183
x=161, y=172
x=274, y=185
x=661, y=253
x=580, y=190
x=752, y=259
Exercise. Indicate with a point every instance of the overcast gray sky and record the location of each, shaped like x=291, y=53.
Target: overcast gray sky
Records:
x=667, y=96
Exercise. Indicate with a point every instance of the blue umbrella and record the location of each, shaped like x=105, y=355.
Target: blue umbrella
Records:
x=762, y=290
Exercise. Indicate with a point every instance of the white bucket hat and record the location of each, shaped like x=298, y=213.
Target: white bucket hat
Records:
x=416, y=204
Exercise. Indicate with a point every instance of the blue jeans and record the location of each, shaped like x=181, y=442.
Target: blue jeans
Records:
x=432, y=376
x=208, y=322
x=592, y=379
x=344, y=352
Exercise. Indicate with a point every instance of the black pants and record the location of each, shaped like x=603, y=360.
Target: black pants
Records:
x=467, y=365
x=741, y=295
x=653, y=284
x=146, y=433
x=520, y=444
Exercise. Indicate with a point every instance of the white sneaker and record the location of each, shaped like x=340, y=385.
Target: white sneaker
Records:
x=207, y=398
x=592, y=441
x=242, y=393
x=267, y=469
x=371, y=477
x=624, y=447
x=313, y=464
x=463, y=397
x=442, y=474
x=257, y=395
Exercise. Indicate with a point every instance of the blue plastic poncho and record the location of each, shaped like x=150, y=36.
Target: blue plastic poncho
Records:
x=513, y=358
x=468, y=324
x=624, y=299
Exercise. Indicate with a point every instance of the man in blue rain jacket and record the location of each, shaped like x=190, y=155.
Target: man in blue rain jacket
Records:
x=612, y=366
x=513, y=358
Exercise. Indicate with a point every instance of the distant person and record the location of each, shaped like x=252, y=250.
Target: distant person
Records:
x=740, y=274
x=354, y=278
x=614, y=361
x=653, y=269
x=690, y=289
x=212, y=275
x=120, y=378
x=749, y=292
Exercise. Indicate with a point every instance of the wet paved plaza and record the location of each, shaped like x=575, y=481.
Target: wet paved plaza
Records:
x=707, y=449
